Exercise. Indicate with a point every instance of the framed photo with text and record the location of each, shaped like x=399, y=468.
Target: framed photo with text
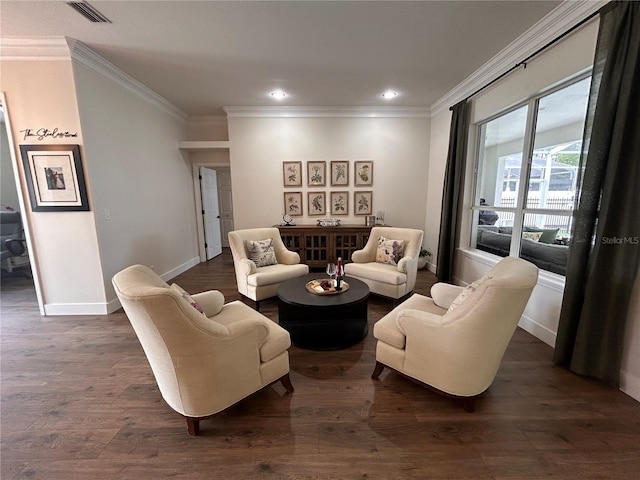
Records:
x=55, y=178
x=316, y=172
x=363, y=171
x=339, y=173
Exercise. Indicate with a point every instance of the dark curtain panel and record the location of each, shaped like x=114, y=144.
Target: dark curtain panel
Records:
x=453, y=190
x=605, y=246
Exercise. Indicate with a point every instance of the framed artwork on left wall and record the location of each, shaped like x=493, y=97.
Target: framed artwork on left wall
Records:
x=55, y=178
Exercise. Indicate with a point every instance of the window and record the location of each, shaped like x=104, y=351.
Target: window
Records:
x=527, y=178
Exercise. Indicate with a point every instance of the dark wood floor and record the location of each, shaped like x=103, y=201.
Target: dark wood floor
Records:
x=78, y=401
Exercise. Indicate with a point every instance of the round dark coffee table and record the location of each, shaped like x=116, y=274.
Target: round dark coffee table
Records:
x=323, y=322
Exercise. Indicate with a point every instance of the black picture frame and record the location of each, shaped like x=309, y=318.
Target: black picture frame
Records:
x=55, y=178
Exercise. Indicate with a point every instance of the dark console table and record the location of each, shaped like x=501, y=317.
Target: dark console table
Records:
x=318, y=245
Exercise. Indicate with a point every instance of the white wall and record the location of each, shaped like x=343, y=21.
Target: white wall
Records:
x=398, y=147
x=138, y=179
x=134, y=172
x=41, y=94
x=568, y=58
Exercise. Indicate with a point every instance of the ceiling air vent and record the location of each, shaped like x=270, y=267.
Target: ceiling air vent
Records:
x=89, y=12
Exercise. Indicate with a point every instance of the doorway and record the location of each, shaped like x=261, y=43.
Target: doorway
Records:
x=224, y=205
x=12, y=200
x=210, y=212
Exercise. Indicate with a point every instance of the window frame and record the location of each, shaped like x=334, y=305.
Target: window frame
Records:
x=520, y=210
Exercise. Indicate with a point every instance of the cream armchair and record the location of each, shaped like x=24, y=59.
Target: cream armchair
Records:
x=202, y=362
x=454, y=341
x=260, y=282
x=386, y=279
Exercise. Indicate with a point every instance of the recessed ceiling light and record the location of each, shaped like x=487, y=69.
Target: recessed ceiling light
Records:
x=278, y=94
x=389, y=94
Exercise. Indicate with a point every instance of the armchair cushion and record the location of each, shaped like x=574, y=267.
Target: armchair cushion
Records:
x=444, y=294
x=467, y=291
x=261, y=252
x=389, y=251
x=211, y=302
x=185, y=295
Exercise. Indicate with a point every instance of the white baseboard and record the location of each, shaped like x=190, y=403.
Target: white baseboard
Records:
x=630, y=384
x=174, y=272
x=539, y=331
x=54, y=309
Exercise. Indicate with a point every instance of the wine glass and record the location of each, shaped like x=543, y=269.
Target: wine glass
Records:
x=331, y=269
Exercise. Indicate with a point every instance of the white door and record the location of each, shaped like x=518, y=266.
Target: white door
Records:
x=210, y=212
x=226, y=204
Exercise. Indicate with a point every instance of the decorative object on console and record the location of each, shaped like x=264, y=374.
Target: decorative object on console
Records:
x=292, y=174
x=316, y=172
x=363, y=173
x=363, y=203
x=316, y=203
x=328, y=221
x=293, y=204
x=55, y=178
x=339, y=173
x=287, y=221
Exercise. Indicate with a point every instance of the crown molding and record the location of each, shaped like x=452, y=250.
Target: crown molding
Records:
x=90, y=59
x=208, y=119
x=41, y=48
x=64, y=48
x=333, y=112
x=554, y=24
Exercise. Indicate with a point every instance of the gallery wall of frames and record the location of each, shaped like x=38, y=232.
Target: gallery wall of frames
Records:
x=328, y=183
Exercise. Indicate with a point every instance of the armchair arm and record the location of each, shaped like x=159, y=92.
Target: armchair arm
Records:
x=403, y=263
x=211, y=302
x=444, y=294
x=247, y=326
x=247, y=266
x=287, y=257
x=360, y=256
x=410, y=320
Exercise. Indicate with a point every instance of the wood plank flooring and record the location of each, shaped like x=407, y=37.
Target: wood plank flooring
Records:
x=78, y=401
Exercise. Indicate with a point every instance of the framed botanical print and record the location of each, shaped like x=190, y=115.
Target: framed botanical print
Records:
x=316, y=203
x=339, y=173
x=339, y=202
x=363, y=203
x=293, y=203
x=292, y=174
x=363, y=173
x=316, y=172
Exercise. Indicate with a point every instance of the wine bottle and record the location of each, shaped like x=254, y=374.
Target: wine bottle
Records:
x=339, y=274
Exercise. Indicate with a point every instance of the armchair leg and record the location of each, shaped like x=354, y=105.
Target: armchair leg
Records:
x=193, y=424
x=469, y=404
x=377, y=370
x=286, y=383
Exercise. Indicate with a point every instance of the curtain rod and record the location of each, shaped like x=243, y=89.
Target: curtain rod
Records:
x=534, y=54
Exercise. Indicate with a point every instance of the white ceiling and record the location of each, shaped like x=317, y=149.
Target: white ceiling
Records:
x=203, y=55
